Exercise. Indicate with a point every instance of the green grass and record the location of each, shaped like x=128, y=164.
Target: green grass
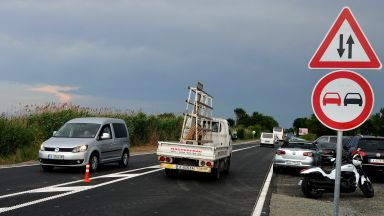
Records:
x=22, y=133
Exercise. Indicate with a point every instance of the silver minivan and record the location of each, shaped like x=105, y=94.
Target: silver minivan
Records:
x=86, y=140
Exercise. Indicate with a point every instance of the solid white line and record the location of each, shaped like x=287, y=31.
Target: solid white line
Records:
x=16, y=166
x=76, y=181
x=77, y=190
x=260, y=201
x=243, y=148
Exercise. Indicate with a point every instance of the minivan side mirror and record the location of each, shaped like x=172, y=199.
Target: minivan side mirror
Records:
x=106, y=136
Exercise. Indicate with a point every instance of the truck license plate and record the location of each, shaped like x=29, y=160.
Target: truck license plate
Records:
x=57, y=157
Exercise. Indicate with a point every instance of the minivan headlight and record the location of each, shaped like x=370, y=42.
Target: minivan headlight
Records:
x=42, y=147
x=81, y=148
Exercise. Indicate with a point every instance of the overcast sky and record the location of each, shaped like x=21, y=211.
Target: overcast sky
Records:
x=143, y=54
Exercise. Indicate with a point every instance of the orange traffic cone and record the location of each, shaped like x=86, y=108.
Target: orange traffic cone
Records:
x=86, y=177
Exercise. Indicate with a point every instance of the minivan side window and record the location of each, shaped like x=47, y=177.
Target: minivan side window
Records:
x=106, y=129
x=120, y=130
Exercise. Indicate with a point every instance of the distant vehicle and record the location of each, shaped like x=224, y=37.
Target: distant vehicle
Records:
x=278, y=132
x=353, y=98
x=332, y=98
x=332, y=139
x=268, y=139
x=297, y=154
x=234, y=135
x=327, y=151
x=86, y=140
x=296, y=139
x=373, y=147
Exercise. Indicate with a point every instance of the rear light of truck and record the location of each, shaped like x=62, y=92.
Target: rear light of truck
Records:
x=308, y=154
x=161, y=158
x=202, y=163
x=209, y=163
x=280, y=152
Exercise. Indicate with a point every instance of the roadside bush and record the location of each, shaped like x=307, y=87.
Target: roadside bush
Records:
x=22, y=134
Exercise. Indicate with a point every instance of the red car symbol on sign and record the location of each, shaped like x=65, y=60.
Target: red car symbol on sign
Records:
x=332, y=98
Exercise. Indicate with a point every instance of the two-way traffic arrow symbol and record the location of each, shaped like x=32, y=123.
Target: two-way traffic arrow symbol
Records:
x=341, y=47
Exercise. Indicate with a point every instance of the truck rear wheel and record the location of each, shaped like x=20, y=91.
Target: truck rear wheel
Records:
x=227, y=165
x=171, y=173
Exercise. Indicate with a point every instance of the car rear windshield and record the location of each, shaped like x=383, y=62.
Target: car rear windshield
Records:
x=267, y=135
x=371, y=144
x=326, y=145
x=78, y=130
x=299, y=145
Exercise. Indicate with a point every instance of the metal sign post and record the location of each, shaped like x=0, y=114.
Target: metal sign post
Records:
x=336, y=197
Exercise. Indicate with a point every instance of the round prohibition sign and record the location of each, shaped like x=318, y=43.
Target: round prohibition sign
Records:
x=342, y=100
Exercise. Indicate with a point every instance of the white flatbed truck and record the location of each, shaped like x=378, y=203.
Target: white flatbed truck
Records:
x=205, y=142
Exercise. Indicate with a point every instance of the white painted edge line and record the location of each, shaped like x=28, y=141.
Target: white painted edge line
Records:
x=261, y=199
x=37, y=163
x=76, y=181
x=76, y=190
x=17, y=166
x=132, y=155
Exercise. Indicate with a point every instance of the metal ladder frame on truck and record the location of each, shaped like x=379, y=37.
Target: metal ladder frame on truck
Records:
x=197, y=117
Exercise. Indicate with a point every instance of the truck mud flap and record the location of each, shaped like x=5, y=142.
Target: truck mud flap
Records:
x=187, y=168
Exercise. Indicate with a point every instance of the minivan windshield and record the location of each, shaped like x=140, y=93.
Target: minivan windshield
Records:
x=78, y=130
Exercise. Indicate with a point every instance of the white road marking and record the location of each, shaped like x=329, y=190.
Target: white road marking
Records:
x=73, y=190
x=68, y=190
x=260, y=201
x=243, y=148
x=17, y=166
x=132, y=155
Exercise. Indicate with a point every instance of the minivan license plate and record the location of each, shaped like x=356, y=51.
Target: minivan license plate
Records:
x=57, y=157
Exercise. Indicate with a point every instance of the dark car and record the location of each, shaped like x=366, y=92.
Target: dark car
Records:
x=374, y=148
x=327, y=151
x=353, y=98
x=332, y=139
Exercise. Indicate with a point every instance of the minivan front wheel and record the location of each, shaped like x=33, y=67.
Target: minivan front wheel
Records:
x=93, y=162
x=124, y=159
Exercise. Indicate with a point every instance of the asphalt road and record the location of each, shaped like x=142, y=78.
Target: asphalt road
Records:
x=140, y=189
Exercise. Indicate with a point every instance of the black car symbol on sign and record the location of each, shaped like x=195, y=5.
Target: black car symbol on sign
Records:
x=353, y=98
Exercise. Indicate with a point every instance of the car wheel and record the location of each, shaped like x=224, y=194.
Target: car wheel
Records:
x=94, y=162
x=47, y=168
x=124, y=159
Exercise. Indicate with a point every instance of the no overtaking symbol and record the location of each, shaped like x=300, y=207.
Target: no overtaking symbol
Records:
x=342, y=100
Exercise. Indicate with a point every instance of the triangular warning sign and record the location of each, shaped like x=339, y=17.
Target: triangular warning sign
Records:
x=345, y=46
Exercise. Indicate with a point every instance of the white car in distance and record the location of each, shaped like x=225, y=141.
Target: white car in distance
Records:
x=268, y=139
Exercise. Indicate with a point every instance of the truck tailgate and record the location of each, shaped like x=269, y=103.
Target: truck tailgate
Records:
x=198, y=152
